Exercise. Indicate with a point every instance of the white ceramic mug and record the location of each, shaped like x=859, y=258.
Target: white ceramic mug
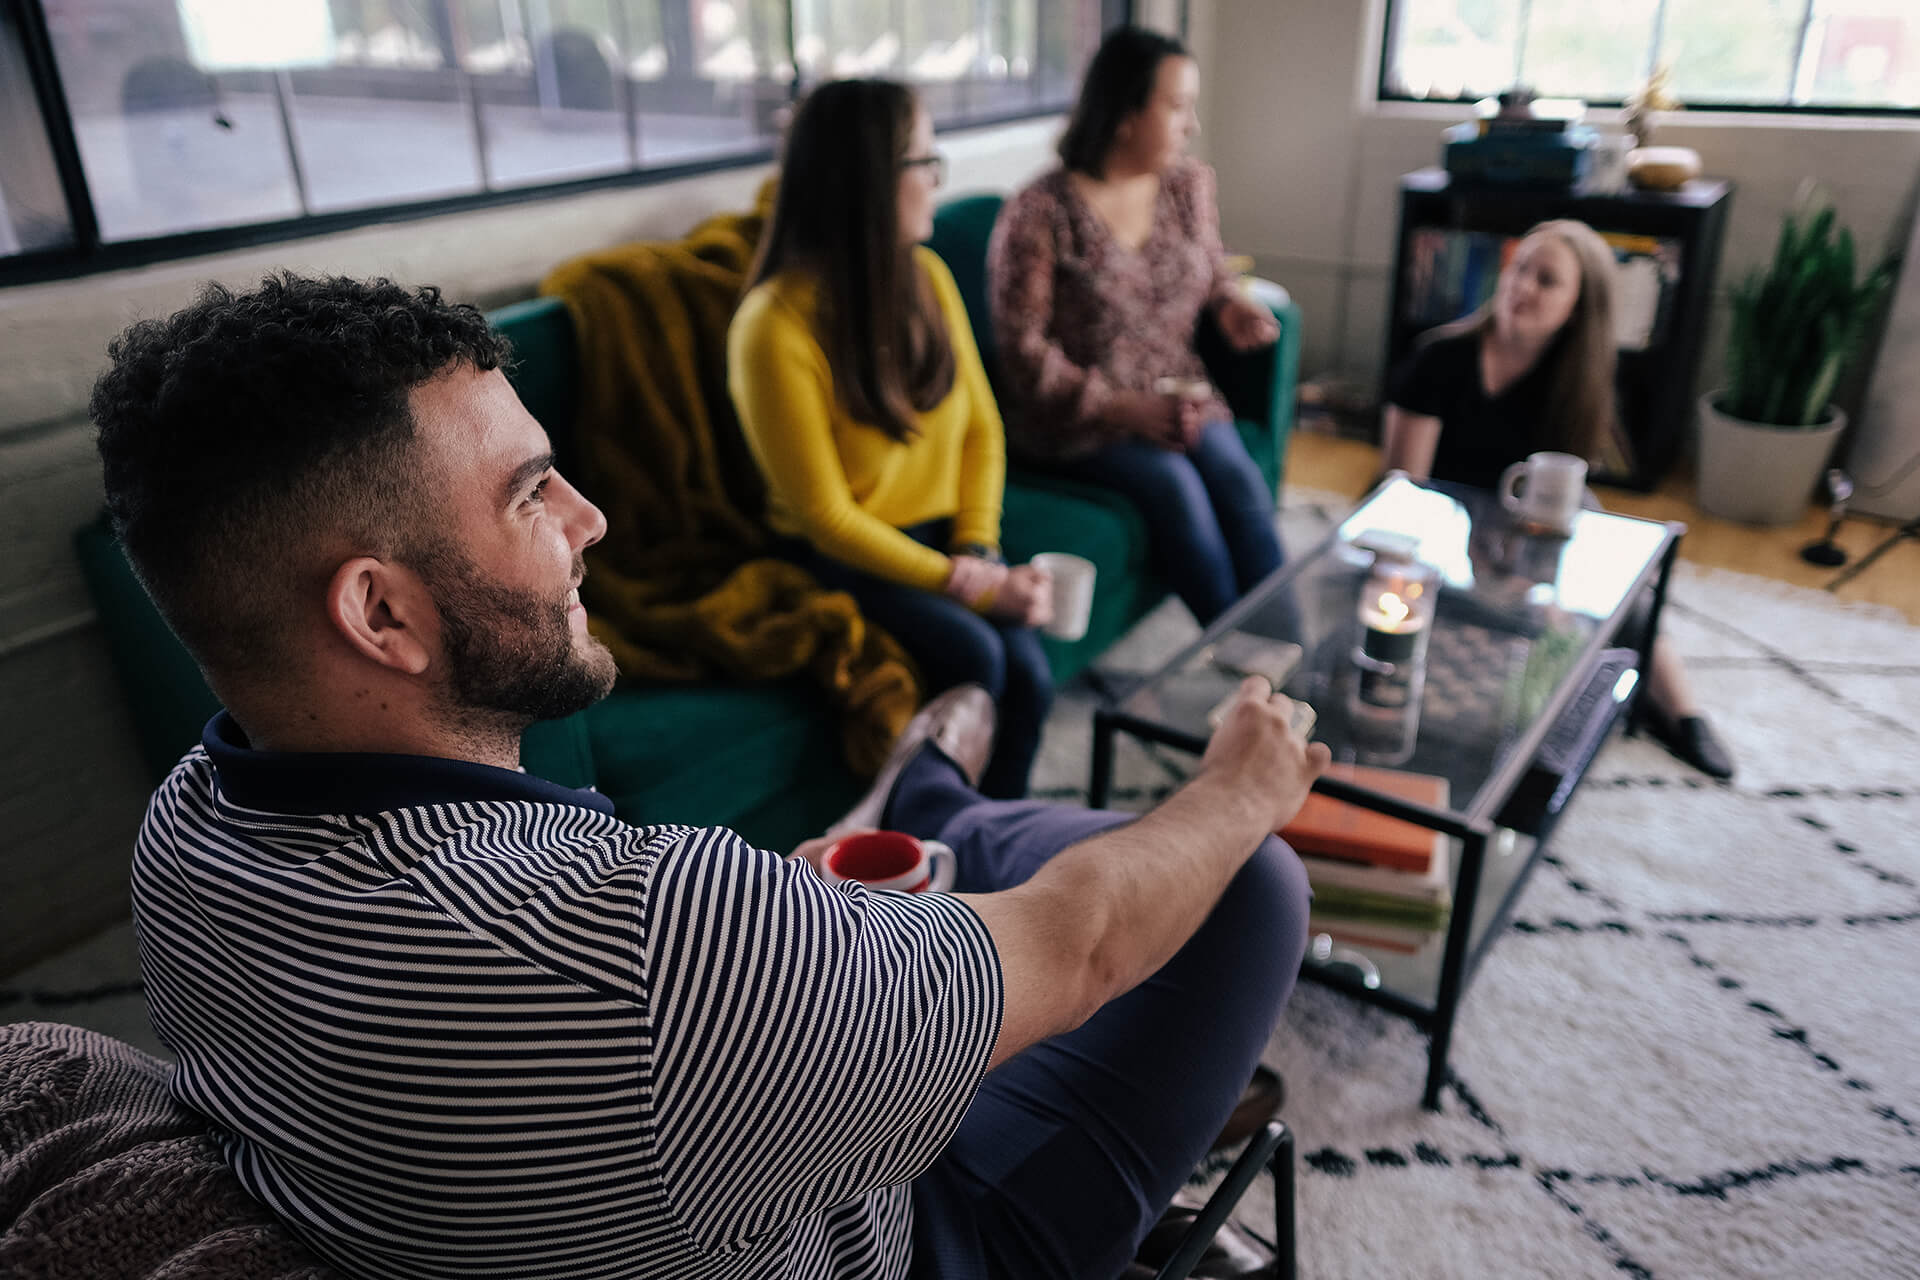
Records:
x=1072, y=592
x=1546, y=490
x=1194, y=389
x=890, y=861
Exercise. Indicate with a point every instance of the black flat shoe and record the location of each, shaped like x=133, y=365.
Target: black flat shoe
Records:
x=1692, y=739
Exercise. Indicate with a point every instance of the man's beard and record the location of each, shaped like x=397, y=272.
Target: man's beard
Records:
x=511, y=653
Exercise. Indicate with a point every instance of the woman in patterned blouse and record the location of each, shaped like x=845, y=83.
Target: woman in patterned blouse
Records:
x=1099, y=272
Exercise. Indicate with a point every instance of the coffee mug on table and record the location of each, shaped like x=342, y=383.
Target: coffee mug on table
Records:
x=1546, y=490
x=890, y=860
x=1072, y=593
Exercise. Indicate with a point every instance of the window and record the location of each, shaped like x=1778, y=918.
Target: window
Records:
x=1767, y=54
x=33, y=209
x=189, y=123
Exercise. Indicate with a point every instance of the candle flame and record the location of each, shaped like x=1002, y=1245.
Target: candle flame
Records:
x=1393, y=609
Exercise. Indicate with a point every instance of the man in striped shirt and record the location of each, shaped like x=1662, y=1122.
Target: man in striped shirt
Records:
x=452, y=1020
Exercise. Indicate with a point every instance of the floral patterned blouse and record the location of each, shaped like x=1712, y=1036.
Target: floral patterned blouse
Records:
x=1078, y=316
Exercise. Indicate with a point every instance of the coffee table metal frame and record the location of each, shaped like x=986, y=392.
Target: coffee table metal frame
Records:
x=1475, y=827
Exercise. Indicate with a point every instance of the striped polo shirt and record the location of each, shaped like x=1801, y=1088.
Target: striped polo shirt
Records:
x=453, y=1021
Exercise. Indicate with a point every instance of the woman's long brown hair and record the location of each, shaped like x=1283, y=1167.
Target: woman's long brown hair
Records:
x=1582, y=414
x=836, y=217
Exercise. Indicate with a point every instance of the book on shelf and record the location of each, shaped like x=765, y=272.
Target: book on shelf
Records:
x=1415, y=899
x=1378, y=935
x=1334, y=829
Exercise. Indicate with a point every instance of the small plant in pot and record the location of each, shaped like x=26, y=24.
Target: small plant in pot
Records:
x=1797, y=322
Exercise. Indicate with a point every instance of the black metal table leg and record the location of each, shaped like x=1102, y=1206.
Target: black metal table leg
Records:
x=1281, y=1166
x=1101, y=779
x=1473, y=856
x=1644, y=642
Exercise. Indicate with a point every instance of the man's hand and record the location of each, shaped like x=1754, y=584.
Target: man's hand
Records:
x=1246, y=324
x=970, y=579
x=1026, y=597
x=1256, y=756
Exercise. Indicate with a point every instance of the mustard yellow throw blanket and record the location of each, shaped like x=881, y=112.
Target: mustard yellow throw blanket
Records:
x=682, y=587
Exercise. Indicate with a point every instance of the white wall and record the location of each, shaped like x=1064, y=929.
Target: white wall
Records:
x=75, y=786
x=1309, y=164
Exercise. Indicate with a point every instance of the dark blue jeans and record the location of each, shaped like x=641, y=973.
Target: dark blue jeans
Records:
x=1209, y=512
x=1074, y=1148
x=954, y=645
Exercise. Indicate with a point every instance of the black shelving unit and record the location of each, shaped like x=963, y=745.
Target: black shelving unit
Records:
x=1655, y=383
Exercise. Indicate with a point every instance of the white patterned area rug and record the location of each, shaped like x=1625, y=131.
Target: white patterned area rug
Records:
x=1695, y=1052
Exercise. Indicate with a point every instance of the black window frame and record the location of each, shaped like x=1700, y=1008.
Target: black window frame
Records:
x=1382, y=93
x=90, y=255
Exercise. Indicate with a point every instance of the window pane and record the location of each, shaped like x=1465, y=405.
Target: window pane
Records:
x=553, y=103
x=33, y=208
x=709, y=76
x=1580, y=49
x=1719, y=56
x=968, y=58
x=167, y=145
x=1454, y=48
x=379, y=112
x=1863, y=53
x=1069, y=32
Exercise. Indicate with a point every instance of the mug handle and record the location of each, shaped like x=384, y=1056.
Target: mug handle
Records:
x=942, y=866
x=1509, y=493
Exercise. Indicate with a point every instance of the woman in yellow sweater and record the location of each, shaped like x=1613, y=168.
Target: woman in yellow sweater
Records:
x=862, y=396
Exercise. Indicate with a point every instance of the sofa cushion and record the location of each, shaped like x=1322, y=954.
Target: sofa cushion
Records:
x=103, y=1174
x=710, y=754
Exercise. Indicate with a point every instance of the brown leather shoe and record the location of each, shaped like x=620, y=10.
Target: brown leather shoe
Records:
x=1232, y=1254
x=959, y=722
x=1259, y=1102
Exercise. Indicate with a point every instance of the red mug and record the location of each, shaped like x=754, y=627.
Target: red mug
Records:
x=890, y=860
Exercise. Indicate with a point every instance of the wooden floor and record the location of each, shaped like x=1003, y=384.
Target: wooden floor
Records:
x=1349, y=467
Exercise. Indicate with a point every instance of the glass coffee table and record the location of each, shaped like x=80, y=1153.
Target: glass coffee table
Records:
x=1531, y=648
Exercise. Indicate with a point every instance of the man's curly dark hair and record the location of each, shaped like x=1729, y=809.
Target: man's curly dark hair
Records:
x=248, y=429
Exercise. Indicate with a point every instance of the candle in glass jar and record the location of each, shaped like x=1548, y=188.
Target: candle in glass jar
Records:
x=1393, y=623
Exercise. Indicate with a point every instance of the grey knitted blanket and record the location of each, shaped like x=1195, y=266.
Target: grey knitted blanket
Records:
x=103, y=1175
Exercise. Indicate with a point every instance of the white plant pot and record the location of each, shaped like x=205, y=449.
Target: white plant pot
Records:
x=1760, y=474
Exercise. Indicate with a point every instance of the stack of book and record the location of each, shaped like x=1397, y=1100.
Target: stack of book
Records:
x=1376, y=880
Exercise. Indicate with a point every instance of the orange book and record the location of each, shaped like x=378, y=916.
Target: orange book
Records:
x=1335, y=829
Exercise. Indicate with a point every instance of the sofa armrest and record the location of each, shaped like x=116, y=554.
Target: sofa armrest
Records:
x=1260, y=386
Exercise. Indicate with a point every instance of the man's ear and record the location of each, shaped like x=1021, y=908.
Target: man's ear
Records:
x=384, y=612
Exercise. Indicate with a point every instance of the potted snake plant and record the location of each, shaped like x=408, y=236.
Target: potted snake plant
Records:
x=1796, y=323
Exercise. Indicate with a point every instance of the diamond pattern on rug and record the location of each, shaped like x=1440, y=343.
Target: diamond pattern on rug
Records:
x=1846, y=1223
x=1834, y=993
x=1595, y=1051
x=1677, y=852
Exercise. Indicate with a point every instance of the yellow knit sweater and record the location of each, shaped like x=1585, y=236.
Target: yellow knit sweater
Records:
x=845, y=486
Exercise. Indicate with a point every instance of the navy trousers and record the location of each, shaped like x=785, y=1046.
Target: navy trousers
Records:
x=1209, y=512
x=1074, y=1148
x=954, y=645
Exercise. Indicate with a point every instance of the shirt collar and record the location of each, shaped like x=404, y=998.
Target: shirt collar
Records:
x=359, y=782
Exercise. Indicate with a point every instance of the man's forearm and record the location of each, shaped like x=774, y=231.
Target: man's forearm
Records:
x=1105, y=914
x=1148, y=886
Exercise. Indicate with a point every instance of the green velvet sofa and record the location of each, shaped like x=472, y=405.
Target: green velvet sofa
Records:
x=762, y=759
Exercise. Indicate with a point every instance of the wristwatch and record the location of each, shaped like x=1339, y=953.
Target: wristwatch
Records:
x=980, y=549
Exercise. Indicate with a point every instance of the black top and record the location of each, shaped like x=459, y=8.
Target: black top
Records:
x=1480, y=435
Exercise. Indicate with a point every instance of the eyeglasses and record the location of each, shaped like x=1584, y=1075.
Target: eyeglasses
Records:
x=934, y=163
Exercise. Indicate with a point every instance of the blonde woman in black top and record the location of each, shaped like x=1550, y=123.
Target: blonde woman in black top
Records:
x=1534, y=370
